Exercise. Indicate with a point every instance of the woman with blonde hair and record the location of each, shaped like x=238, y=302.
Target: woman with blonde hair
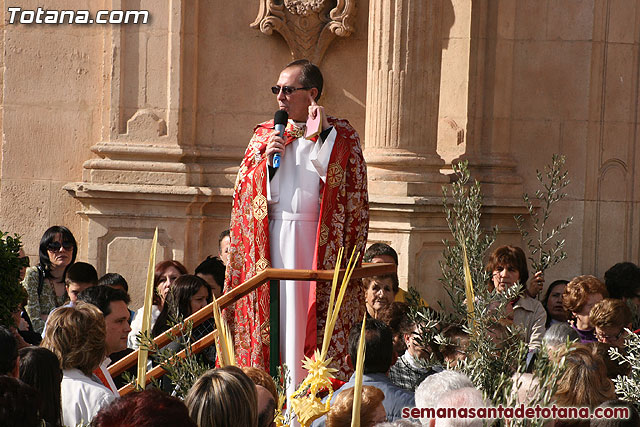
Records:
x=584, y=381
x=223, y=397
x=77, y=336
x=371, y=410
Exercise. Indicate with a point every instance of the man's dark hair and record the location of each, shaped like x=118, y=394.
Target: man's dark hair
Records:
x=225, y=233
x=8, y=351
x=379, y=346
x=379, y=249
x=82, y=272
x=102, y=297
x=310, y=75
x=113, y=279
x=396, y=317
x=213, y=266
x=623, y=280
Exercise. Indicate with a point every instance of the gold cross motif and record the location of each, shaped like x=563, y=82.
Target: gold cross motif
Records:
x=296, y=132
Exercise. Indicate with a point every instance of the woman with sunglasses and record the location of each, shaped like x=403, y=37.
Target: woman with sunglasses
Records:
x=44, y=282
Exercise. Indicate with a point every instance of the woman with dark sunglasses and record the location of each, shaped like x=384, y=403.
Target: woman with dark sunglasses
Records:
x=44, y=282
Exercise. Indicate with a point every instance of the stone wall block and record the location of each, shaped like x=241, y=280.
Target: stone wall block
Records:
x=620, y=77
x=624, y=17
x=557, y=80
x=51, y=146
x=25, y=210
x=531, y=18
x=570, y=19
x=48, y=59
x=573, y=138
x=456, y=18
x=127, y=251
x=612, y=235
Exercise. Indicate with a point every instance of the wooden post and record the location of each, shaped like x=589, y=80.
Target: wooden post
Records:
x=274, y=327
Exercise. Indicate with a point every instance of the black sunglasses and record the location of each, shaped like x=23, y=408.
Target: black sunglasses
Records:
x=287, y=90
x=55, y=246
x=25, y=259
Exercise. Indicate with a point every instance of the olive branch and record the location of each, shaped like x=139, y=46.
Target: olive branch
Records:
x=546, y=247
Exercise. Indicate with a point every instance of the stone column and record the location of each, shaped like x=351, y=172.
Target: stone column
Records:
x=409, y=97
x=403, y=87
x=489, y=99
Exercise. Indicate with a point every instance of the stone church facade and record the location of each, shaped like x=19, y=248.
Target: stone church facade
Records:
x=115, y=129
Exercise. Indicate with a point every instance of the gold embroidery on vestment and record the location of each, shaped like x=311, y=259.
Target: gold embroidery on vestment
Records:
x=260, y=207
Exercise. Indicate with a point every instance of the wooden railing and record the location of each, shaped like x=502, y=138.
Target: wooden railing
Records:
x=270, y=274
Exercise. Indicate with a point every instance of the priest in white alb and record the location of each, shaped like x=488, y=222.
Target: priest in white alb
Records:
x=297, y=216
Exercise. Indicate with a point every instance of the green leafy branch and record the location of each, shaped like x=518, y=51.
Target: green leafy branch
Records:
x=546, y=248
x=463, y=213
x=181, y=372
x=12, y=293
x=495, y=350
x=628, y=387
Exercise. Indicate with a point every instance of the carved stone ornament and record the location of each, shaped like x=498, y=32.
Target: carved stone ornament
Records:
x=308, y=26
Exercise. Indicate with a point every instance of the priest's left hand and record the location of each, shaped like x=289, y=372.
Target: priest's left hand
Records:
x=315, y=109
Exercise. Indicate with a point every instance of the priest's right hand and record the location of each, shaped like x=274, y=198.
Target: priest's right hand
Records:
x=275, y=145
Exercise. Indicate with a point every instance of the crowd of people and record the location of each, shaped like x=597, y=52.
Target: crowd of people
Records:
x=300, y=198
x=75, y=324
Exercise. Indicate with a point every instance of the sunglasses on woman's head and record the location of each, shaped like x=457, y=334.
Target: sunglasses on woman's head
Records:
x=55, y=246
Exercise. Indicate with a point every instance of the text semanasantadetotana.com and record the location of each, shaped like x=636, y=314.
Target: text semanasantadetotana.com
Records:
x=518, y=412
x=18, y=15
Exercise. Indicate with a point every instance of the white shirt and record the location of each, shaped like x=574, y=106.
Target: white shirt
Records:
x=136, y=325
x=105, y=372
x=82, y=397
x=294, y=209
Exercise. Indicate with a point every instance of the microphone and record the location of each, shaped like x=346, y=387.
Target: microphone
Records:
x=280, y=121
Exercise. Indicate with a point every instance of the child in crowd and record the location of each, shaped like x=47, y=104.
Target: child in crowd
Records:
x=79, y=277
x=212, y=270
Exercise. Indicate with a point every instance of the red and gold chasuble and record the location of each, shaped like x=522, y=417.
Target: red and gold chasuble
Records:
x=343, y=222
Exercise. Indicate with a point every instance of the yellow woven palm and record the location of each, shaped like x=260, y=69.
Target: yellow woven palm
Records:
x=305, y=402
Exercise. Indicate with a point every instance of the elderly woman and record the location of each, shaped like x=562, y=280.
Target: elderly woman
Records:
x=44, y=282
x=508, y=266
x=581, y=294
x=371, y=410
x=379, y=293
